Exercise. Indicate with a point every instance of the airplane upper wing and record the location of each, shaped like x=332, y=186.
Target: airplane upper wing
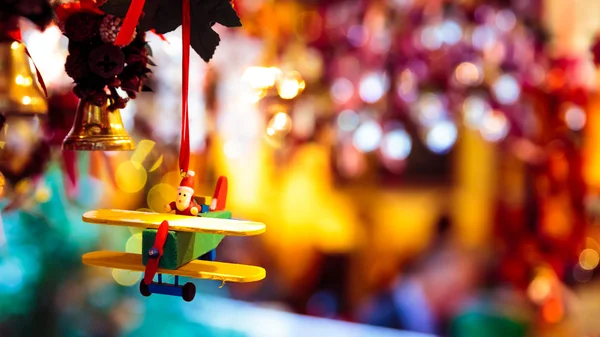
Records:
x=179, y=223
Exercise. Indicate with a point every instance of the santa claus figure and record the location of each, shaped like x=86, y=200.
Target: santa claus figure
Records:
x=185, y=204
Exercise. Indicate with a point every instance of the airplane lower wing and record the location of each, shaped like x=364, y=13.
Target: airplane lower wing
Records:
x=225, y=272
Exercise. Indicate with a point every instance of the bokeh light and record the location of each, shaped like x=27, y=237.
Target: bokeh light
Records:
x=368, y=136
x=475, y=109
x=494, y=126
x=575, y=118
x=348, y=120
x=126, y=277
x=142, y=150
x=406, y=84
x=430, y=109
x=342, y=90
x=506, y=20
x=372, y=87
x=261, y=77
x=290, y=85
x=134, y=243
x=396, y=144
x=130, y=177
x=441, y=137
x=589, y=259
x=468, y=73
x=451, y=32
x=483, y=37
x=506, y=89
x=160, y=195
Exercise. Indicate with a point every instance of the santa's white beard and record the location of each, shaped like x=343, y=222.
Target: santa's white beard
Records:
x=182, y=206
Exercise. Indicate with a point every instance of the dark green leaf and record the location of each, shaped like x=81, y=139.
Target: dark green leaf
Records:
x=117, y=7
x=149, y=15
x=146, y=88
x=226, y=15
x=204, y=42
x=150, y=62
x=168, y=17
x=148, y=49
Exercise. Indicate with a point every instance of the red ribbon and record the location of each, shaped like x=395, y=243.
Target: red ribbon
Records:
x=130, y=22
x=184, y=151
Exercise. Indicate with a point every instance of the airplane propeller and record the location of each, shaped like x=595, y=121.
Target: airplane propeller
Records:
x=156, y=252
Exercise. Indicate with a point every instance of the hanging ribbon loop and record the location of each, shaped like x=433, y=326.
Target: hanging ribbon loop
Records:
x=184, y=151
x=129, y=23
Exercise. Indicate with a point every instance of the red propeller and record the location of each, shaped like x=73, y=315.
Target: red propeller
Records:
x=156, y=252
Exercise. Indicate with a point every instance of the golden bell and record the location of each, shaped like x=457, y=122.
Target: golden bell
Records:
x=20, y=94
x=97, y=129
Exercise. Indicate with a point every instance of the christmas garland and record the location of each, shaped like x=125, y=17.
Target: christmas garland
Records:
x=97, y=66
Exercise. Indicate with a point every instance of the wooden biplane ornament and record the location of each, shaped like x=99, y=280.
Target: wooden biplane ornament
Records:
x=179, y=245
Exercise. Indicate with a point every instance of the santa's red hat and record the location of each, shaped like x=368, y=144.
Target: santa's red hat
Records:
x=187, y=183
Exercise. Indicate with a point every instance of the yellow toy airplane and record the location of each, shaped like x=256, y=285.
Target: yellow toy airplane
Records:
x=179, y=245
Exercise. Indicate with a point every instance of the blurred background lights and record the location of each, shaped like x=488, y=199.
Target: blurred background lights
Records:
x=261, y=77
x=290, y=85
x=506, y=89
x=505, y=20
x=406, y=85
x=126, y=277
x=451, y=32
x=348, y=120
x=430, y=109
x=342, y=90
x=483, y=37
x=441, y=137
x=474, y=109
x=357, y=35
x=12, y=273
x=575, y=118
x=396, y=144
x=432, y=38
x=589, y=259
x=130, y=177
x=468, y=73
x=540, y=288
x=281, y=122
x=232, y=149
x=368, y=136
x=494, y=126
x=372, y=87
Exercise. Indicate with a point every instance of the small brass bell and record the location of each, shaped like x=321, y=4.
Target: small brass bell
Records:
x=97, y=129
x=20, y=94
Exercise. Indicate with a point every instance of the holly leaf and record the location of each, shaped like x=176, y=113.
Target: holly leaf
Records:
x=150, y=62
x=225, y=15
x=148, y=49
x=118, y=7
x=204, y=42
x=146, y=88
x=168, y=17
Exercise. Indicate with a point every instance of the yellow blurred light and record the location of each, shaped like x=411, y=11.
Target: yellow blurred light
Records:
x=589, y=259
x=142, y=150
x=270, y=131
x=261, y=77
x=126, y=277
x=134, y=243
x=281, y=121
x=20, y=80
x=540, y=289
x=14, y=45
x=290, y=85
x=26, y=100
x=130, y=178
x=468, y=74
x=42, y=194
x=160, y=195
x=156, y=164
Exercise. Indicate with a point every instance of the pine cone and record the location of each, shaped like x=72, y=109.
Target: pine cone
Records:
x=77, y=65
x=82, y=26
x=110, y=28
x=107, y=60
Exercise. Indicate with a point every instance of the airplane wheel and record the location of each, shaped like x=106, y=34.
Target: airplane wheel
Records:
x=144, y=289
x=188, y=292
